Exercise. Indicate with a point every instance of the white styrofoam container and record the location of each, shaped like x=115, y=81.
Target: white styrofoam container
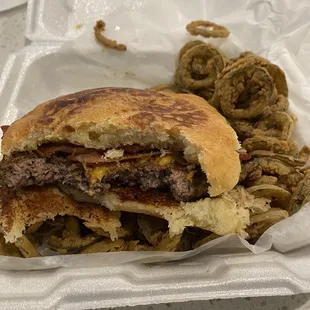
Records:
x=57, y=20
x=208, y=277
x=49, y=23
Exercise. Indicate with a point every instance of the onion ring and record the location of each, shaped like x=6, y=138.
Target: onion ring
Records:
x=253, y=170
x=304, y=154
x=291, y=181
x=293, y=148
x=72, y=227
x=243, y=55
x=278, y=124
x=287, y=159
x=71, y=244
x=8, y=249
x=301, y=195
x=215, y=102
x=188, y=46
x=33, y=228
x=136, y=245
x=273, y=215
x=26, y=247
x=266, y=143
x=264, y=179
x=280, y=195
x=202, y=27
x=199, y=67
x=152, y=228
x=250, y=171
x=207, y=94
x=261, y=222
x=105, y=246
x=205, y=240
x=273, y=166
x=244, y=92
x=277, y=74
x=281, y=105
x=279, y=78
x=256, y=230
x=177, y=243
x=243, y=128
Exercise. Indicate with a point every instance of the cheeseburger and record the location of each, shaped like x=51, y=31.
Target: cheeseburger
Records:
x=100, y=152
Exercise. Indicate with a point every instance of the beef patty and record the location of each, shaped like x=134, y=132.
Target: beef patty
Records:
x=28, y=168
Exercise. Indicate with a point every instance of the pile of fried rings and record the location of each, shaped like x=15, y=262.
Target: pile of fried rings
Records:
x=252, y=94
x=69, y=235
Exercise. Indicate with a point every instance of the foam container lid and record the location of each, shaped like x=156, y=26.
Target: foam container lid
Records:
x=56, y=20
x=221, y=275
x=209, y=277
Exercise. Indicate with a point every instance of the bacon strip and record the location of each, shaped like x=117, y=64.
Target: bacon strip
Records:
x=66, y=148
x=89, y=155
x=96, y=158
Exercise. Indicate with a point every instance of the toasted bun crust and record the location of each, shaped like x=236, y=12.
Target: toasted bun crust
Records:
x=109, y=117
x=227, y=214
x=24, y=208
x=223, y=215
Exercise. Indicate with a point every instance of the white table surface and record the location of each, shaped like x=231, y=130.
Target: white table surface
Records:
x=12, y=39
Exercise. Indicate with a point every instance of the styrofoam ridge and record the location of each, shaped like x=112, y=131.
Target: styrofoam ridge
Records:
x=214, y=276
x=10, y=82
x=59, y=20
x=36, y=28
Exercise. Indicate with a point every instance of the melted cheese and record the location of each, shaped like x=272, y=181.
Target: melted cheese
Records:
x=190, y=175
x=96, y=174
x=164, y=160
